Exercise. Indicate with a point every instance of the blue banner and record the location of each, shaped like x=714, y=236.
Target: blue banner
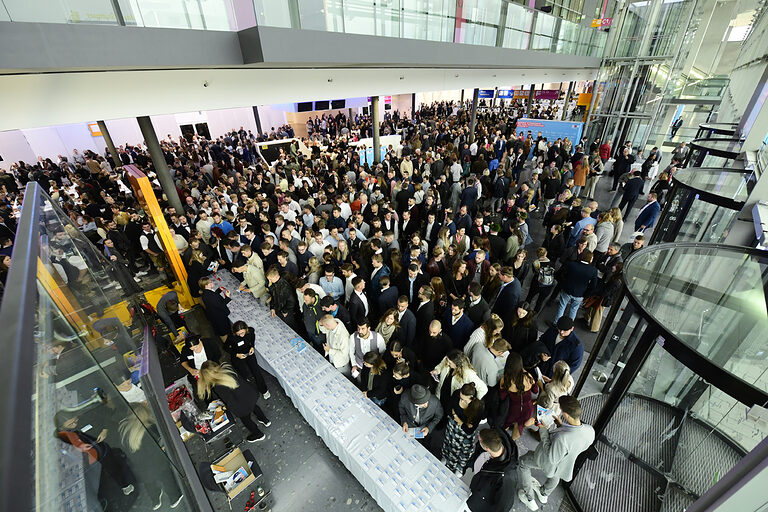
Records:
x=367, y=155
x=552, y=130
x=504, y=93
x=485, y=93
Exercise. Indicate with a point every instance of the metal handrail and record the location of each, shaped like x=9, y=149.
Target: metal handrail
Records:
x=17, y=316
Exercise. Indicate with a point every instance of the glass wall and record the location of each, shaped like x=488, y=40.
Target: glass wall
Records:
x=672, y=377
x=96, y=439
x=702, y=204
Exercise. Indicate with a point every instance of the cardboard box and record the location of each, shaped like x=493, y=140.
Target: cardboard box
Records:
x=232, y=462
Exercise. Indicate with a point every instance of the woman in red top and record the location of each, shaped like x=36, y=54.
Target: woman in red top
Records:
x=516, y=391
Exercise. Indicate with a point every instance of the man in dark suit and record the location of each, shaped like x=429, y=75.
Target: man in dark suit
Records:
x=358, y=304
x=457, y=325
x=407, y=322
x=388, y=297
x=563, y=345
x=508, y=296
x=408, y=226
x=477, y=309
x=648, y=214
x=410, y=283
x=431, y=229
x=424, y=311
x=632, y=190
x=497, y=243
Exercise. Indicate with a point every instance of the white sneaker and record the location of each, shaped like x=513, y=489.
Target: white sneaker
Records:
x=537, y=490
x=531, y=504
x=137, y=279
x=266, y=395
x=128, y=489
x=141, y=273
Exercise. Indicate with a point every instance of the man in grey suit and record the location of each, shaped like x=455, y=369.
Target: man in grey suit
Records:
x=421, y=410
x=556, y=455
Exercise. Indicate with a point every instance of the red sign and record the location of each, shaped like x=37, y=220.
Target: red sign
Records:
x=602, y=22
x=546, y=94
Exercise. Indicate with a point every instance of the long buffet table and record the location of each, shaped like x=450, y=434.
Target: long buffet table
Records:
x=397, y=471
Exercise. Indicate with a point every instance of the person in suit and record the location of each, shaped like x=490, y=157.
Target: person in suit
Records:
x=648, y=214
x=420, y=409
x=509, y=294
x=379, y=270
x=216, y=309
x=388, y=296
x=477, y=310
x=410, y=283
x=424, y=311
x=358, y=305
x=632, y=190
x=337, y=311
x=407, y=321
x=563, y=345
x=283, y=302
x=478, y=267
x=431, y=229
x=457, y=326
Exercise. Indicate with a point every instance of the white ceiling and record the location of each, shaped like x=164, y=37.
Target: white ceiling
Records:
x=34, y=100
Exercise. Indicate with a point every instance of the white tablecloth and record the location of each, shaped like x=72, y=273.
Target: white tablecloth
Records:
x=397, y=471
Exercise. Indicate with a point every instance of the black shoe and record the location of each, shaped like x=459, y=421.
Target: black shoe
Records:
x=252, y=438
x=264, y=422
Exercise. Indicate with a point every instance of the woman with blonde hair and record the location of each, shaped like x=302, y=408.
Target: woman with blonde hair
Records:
x=580, y=173
x=443, y=238
x=560, y=384
x=315, y=270
x=452, y=372
x=238, y=395
x=486, y=333
x=137, y=432
x=618, y=224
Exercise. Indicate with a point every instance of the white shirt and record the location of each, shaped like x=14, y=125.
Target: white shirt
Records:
x=199, y=358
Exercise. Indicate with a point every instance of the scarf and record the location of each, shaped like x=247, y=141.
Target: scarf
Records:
x=386, y=331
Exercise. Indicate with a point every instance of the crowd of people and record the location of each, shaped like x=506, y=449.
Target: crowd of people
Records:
x=417, y=277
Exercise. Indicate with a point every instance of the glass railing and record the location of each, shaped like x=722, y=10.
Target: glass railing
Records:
x=186, y=14
x=479, y=22
x=93, y=413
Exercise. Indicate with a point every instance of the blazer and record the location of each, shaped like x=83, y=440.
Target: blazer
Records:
x=424, y=316
x=375, y=286
x=479, y=313
x=508, y=298
x=408, y=328
x=648, y=215
x=570, y=350
x=429, y=417
x=357, y=309
x=387, y=299
x=217, y=311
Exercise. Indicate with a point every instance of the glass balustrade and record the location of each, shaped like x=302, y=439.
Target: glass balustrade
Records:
x=477, y=22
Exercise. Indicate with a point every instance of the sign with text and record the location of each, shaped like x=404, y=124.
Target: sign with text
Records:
x=552, y=130
x=546, y=94
x=521, y=95
x=485, y=93
x=602, y=22
x=504, y=93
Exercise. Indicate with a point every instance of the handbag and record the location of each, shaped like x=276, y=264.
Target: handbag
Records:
x=594, y=301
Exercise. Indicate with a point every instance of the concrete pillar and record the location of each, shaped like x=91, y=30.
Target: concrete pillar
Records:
x=376, y=122
x=567, y=100
x=110, y=144
x=473, y=122
x=158, y=159
x=530, y=101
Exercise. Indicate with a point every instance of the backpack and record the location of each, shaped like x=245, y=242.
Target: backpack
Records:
x=546, y=276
